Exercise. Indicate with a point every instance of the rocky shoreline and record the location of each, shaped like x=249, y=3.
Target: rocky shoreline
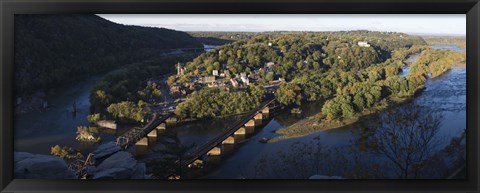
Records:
x=110, y=163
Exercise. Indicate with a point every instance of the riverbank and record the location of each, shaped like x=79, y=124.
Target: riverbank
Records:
x=318, y=122
x=460, y=65
x=39, y=101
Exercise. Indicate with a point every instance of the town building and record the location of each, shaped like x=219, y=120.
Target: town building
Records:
x=245, y=80
x=227, y=73
x=275, y=82
x=254, y=76
x=180, y=70
x=215, y=72
x=175, y=91
x=270, y=64
x=363, y=44
x=234, y=82
x=243, y=75
x=206, y=79
x=107, y=124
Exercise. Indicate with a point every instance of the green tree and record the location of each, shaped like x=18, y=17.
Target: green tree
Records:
x=157, y=93
x=359, y=102
x=63, y=152
x=88, y=134
x=269, y=77
x=289, y=93
x=129, y=110
x=93, y=118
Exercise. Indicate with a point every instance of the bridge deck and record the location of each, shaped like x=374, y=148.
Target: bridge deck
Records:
x=132, y=136
x=191, y=157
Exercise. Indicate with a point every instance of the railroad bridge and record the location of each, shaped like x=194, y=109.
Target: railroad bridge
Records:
x=215, y=146
x=147, y=134
x=143, y=137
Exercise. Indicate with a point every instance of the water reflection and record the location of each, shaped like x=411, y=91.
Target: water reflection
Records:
x=406, y=136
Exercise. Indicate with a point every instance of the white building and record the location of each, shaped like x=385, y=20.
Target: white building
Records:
x=245, y=80
x=180, y=70
x=363, y=44
x=234, y=82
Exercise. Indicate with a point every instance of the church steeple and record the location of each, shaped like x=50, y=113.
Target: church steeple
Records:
x=180, y=69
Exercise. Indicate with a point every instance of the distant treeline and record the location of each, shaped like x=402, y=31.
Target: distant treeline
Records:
x=446, y=40
x=213, y=41
x=226, y=36
x=55, y=49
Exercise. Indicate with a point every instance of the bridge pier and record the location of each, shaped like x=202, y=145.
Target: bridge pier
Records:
x=258, y=122
x=215, y=151
x=239, y=135
x=250, y=123
x=240, y=131
x=162, y=128
x=227, y=148
x=249, y=130
x=258, y=116
x=141, y=146
x=212, y=159
x=152, y=136
x=229, y=140
x=196, y=164
x=172, y=120
x=266, y=110
x=239, y=138
x=244, y=131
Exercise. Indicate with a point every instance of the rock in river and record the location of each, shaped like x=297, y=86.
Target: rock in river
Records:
x=36, y=166
x=106, y=150
x=120, y=165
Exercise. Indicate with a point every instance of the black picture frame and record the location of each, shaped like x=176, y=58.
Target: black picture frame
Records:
x=11, y=7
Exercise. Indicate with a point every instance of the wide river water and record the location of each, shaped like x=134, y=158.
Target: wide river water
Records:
x=36, y=131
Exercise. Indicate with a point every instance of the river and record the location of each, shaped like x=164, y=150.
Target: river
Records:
x=37, y=132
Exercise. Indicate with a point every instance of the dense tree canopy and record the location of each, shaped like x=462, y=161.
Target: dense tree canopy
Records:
x=289, y=93
x=297, y=52
x=213, y=102
x=320, y=66
x=132, y=83
x=129, y=110
x=368, y=87
x=435, y=62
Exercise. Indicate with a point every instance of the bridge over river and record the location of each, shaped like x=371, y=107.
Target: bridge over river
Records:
x=141, y=135
x=242, y=127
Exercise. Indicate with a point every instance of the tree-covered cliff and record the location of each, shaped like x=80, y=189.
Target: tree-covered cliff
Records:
x=56, y=49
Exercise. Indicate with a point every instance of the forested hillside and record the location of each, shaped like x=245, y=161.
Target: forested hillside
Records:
x=315, y=65
x=226, y=36
x=446, y=40
x=56, y=49
x=295, y=52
